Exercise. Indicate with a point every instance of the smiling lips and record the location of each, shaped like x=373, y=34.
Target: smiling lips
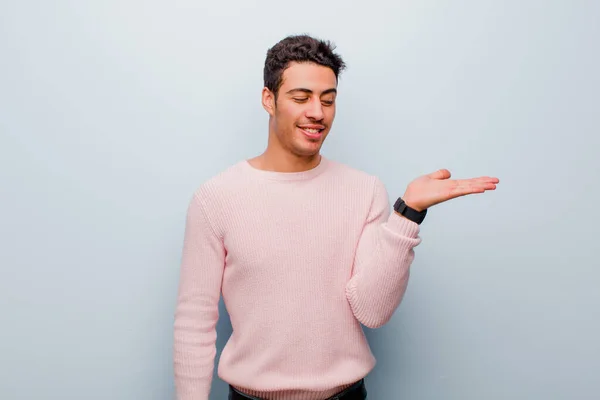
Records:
x=312, y=131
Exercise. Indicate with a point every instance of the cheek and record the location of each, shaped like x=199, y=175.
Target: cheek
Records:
x=291, y=116
x=285, y=113
x=330, y=114
x=286, y=121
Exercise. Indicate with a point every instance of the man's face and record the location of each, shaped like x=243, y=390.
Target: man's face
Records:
x=305, y=108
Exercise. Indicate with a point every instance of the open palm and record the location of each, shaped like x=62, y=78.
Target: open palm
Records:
x=437, y=187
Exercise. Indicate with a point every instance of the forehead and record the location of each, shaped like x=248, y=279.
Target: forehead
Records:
x=309, y=76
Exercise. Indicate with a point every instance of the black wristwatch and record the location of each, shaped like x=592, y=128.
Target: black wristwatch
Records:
x=410, y=213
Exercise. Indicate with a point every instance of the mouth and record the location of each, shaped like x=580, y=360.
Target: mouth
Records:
x=313, y=132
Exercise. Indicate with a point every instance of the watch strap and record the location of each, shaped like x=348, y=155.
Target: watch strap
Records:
x=416, y=216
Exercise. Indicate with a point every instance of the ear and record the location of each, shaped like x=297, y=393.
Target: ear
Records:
x=268, y=101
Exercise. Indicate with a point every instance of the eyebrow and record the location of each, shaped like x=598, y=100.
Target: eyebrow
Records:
x=308, y=91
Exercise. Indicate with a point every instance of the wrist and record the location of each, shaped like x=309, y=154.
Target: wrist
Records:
x=410, y=211
x=413, y=204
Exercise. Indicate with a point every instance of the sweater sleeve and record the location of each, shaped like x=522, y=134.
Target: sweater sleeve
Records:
x=197, y=311
x=384, y=254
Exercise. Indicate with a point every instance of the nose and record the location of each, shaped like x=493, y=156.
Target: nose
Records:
x=315, y=110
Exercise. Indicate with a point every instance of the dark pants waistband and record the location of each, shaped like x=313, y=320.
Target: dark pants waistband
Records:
x=357, y=391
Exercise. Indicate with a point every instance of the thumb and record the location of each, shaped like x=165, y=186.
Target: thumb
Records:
x=440, y=174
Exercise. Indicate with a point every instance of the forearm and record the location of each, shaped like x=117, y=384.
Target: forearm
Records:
x=382, y=270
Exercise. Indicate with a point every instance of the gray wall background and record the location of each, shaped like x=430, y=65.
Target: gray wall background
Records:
x=112, y=112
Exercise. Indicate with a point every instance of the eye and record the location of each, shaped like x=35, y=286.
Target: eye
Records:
x=327, y=102
x=300, y=99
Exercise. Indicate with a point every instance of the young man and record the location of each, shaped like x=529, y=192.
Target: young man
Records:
x=303, y=249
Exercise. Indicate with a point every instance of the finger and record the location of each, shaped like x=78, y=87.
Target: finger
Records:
x=463, y=190
x=440, y=174
x=484, y=179
x=483, y=185
x=477, y=181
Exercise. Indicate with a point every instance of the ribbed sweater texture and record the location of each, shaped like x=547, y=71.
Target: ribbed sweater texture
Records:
x=302, y=259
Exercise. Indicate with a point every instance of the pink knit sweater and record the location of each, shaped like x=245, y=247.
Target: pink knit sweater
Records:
x=301, y=259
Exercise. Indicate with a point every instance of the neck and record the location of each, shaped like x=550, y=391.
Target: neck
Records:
x=277, y=161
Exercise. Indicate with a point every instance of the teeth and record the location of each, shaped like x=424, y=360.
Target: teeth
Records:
x=310, y=130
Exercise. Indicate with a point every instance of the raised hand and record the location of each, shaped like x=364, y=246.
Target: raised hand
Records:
x=437, y=187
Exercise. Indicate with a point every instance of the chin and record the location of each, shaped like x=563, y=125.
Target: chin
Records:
x=308, y=148
x=306, y=151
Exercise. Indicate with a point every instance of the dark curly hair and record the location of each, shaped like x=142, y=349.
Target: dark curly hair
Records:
x=298, y=48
